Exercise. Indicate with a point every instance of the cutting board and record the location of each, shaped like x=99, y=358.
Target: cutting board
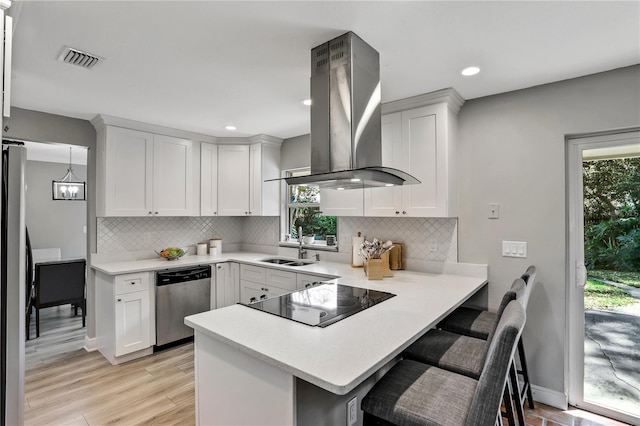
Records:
x=396, y=257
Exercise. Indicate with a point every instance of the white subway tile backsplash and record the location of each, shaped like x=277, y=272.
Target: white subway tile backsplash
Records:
x=414, y=233
x=119, y=234
x=135, y=234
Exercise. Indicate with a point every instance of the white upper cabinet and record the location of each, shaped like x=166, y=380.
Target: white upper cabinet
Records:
x=242, y=171
x=143, y=173
x=126, y=173
x=173, y=190
x=233, y=180
x=264, y=197
x=208, y=179
x=420, y=141
x=341, y=203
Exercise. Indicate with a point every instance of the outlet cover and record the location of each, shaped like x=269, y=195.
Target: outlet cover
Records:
x=352, y=411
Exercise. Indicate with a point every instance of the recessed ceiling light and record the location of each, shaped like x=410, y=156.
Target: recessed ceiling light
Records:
x=306, y=102
x=355, y=180
x=388, y=184
x=469, y=71
x=340, y=189
x=230, y=127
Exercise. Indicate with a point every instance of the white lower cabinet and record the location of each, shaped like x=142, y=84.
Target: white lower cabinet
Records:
x=132, y=322
x=227, y=283
x=258, y=283
x=308, y=280
x=125, y=312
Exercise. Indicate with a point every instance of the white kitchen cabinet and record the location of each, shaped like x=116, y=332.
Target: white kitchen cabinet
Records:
x=341, y=203
x=420, y=141
x=258, y=283
x=242, y=171
x=143, y=174
x=173, y=189
x=309, y=280
x=264, y=197
x=125, y=316
x=233, y=181
x=132, y=322
x=227, y=284
x=208, y=180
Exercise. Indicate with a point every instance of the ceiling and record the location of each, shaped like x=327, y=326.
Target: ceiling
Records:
x=202, y=65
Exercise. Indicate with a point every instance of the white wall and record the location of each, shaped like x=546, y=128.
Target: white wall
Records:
x=54, y=223
x=512, y=152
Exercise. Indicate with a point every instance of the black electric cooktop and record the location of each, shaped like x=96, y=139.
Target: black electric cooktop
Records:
x=321, y=305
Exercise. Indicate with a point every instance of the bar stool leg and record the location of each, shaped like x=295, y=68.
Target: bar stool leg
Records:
x=515, y=392
x=508, y=407
x=526, y=386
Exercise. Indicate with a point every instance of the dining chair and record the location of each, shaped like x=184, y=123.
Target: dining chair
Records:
x=415, y=393
x=60, y=282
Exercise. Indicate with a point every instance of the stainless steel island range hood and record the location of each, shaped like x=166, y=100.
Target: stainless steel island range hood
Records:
x=346, y=146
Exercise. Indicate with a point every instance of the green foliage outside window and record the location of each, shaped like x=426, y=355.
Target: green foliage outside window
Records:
x=612, y=214
x=304, y=211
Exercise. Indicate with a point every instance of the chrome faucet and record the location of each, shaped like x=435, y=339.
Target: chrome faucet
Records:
x=301, y=252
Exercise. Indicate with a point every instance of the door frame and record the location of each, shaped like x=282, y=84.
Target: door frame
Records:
x=576, y=272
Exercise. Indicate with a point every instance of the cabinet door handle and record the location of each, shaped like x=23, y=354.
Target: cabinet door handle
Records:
x=264, y=296
x=119, y=300
x=133, y=283
x=252, y=300
x=156, y=213
x=307, y=285
x=397, y=212
x=219, y=267
x=150, y=212
x=404, y=212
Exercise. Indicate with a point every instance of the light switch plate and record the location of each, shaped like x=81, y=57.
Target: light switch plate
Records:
x=514, y=249
x=494, y=211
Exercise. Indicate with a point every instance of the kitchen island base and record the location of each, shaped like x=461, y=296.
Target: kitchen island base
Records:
x=236, y=388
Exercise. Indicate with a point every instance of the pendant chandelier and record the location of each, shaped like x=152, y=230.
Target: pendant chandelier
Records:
x=69, y=188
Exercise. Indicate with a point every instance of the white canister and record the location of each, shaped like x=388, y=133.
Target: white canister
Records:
x=201, y=250
x=214, y=251
x=217, y=243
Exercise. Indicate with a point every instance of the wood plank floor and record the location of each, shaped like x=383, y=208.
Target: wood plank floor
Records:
x=65, y=385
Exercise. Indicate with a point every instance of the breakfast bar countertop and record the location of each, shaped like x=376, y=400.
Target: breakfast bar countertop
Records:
x=339, y=357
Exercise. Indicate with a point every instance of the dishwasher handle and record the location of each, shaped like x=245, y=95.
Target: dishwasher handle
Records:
x=183, y=275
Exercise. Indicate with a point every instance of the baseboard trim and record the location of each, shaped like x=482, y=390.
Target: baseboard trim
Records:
x=90, y=344
x=550, y=397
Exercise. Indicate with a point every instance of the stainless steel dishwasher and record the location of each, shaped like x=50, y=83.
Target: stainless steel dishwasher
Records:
x=180, y=293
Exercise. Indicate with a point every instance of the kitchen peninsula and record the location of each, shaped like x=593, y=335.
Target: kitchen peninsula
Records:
x=252, y=367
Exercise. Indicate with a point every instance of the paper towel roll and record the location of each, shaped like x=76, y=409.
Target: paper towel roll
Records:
x=356, y=260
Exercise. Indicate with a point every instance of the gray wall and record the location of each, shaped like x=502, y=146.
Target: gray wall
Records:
x=41, y=127
x=54, y=223
x=512, y=152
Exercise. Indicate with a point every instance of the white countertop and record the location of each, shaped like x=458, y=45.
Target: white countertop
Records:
x=339, y=357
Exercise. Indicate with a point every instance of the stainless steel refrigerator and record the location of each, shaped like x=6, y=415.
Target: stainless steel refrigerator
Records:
x=13, y=255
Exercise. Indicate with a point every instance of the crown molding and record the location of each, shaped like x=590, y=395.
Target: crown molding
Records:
x=101, y=120
x=449, y=96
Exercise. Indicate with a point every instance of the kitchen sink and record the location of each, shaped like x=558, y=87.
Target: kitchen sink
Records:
x=287, y=262
x=278, y=261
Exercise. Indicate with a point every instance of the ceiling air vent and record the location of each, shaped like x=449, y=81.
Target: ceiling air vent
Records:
x=79, y=58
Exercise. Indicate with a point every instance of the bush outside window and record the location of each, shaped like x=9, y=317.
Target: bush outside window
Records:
x=303, y=210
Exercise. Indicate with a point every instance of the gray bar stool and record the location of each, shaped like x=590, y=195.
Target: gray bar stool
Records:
x=414, y=393
x=478, y=323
